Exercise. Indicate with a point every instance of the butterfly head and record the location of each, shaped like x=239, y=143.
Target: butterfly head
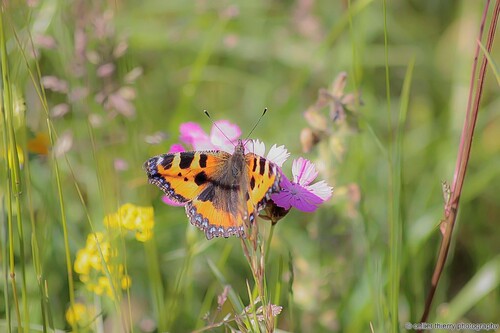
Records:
x=237, y=160
x=240, y=147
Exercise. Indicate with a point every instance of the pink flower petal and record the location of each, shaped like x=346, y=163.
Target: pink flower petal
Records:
x=306, y=201
x=282, y=199
x=171, y=202
x=120, y=164
x=227, y=147
x=204, y=145
x=303, y=171
x=225, y=132
x=192, y=133
x=321, y=189
x=176, y=148
x=298, y=197
x=304, y=198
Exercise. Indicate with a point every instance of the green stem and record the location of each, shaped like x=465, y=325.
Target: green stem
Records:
x=67, y=250
x=13, y=178
x=269, y=240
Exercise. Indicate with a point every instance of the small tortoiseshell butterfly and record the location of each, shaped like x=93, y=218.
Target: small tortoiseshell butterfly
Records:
x=221, y=191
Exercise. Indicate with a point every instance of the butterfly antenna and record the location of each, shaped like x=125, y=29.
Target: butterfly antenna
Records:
x=257, y=123
x=216, y=126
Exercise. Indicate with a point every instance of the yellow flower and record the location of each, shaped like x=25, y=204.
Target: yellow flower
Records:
x=103, y=286
x=112, y=221
x=96, y=263
x=93, y=239
x=126, y=282
x=89, y=257
x=100, y=276
x=144, y=235
x=82, y=264
x=133, y=218
x=79, y=314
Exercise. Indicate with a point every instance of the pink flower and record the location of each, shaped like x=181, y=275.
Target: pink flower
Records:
x=192, y=134
x=298, y=193
x=176, y=148
x=171, y=202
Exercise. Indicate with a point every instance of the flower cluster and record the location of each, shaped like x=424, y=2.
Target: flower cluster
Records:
x=332, y=120
x=129, y=217
x=80, y=314
x=96, y=59
x=97, y=267
x=296, y=192
x=341, y=118
x=96, y=262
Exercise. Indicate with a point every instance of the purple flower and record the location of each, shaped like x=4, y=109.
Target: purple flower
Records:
x=298, y=193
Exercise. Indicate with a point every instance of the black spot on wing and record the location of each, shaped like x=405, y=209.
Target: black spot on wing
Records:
x=252, y=183
x=271, y=170
x=201, y=178
x=185, y=179
x=203, y=160
x=186, y=159
x=262, y=166
x=166, y=163
x=254, y=164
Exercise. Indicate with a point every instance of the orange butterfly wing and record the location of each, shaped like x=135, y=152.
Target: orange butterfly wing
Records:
x=215, y=222
x=183, y=176
x=263, y=179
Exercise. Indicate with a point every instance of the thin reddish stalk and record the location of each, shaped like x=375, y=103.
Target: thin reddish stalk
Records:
x=451, y=206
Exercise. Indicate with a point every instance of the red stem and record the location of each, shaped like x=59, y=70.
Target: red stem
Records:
x=451, y=207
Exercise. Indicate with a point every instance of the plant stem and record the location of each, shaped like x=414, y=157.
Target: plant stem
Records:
x=62, y=207
x=451, y=206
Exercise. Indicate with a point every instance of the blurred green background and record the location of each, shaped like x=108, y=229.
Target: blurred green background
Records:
x=119, y=77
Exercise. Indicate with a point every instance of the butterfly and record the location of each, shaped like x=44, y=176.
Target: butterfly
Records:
x=221, y=191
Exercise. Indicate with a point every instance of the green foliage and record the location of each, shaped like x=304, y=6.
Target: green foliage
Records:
x=90, y=90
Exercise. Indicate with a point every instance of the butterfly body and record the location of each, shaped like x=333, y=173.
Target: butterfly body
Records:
x=221, y=191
